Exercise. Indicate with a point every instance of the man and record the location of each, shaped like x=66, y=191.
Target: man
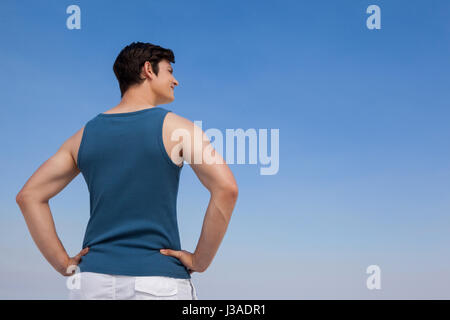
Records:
x=131, y=157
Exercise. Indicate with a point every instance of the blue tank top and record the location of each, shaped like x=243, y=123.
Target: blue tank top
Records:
x=133, y=188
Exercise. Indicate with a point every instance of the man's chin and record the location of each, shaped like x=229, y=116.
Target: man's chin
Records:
x=168, y=100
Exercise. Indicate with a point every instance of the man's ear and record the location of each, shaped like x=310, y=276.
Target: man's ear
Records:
x=147, y=68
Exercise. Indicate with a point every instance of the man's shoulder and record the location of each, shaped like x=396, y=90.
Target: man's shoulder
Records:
x=72, y=144
x=175, y=121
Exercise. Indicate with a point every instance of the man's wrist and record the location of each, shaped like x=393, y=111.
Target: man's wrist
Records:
x=196, y=263
x=63, y=263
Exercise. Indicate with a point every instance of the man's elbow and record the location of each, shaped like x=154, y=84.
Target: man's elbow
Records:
x=231, y=191
x=225, y=191
x=234, y=191
x=19, y=198
x=23, y=197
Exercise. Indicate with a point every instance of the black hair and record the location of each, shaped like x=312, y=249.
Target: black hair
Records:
x=131, y=59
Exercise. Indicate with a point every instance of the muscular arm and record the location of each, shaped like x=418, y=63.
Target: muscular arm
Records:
x=213, y=172
x=50, y=178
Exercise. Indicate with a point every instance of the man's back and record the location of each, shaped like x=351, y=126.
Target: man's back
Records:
x=171, y=122
x=133, y=186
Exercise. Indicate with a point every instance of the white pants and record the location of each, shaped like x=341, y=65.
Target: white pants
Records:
x=99, y=286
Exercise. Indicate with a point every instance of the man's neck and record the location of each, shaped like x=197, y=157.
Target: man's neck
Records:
x=136, y=99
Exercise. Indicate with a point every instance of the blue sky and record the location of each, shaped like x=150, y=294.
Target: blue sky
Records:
x=363, y=118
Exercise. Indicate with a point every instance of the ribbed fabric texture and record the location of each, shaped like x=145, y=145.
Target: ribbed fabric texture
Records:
x=133, y=188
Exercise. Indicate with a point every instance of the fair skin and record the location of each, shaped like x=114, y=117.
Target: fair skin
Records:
x=60, y=169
